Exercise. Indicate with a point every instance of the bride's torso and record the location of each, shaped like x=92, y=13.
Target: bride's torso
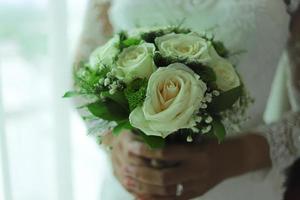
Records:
x=257, y=27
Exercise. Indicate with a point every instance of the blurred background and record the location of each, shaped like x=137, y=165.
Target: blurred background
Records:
x=45, y=152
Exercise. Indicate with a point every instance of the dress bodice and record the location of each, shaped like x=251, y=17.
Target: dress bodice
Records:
x=258, y=28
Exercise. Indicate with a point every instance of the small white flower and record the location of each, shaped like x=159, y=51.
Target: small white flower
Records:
x=209, y=119
x=195, y=129
x=208, y=98
x=106, y=81
x=204, y=106
x=112, y=91
x=216, y=93
x=198, y=119
x=101, y=81
x=109, y=75
x=206, y=129
x=189, y=139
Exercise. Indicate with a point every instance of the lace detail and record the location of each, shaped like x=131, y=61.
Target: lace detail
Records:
x=96, y=28
x=284, y=140
x=293, y=5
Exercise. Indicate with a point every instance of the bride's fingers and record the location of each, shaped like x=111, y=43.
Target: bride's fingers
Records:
x=191, y=190
x=147, y=191
x=190, y=195
x=136, y=160
x=160, y=177
x=172, y=153
x=139, y=188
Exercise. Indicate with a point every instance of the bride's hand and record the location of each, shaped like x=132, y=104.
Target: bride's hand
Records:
x=201, y=167
x=122, y=157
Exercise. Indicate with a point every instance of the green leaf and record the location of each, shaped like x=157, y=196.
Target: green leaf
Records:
x=151, y=35
x=108, y=110
x=136, y=93
x=118, y=97
x=153, y=142
x=206, y=73
x=219, y=130
x=225, y=100
x=124, y=125
x=130, y=42
x=70, y=94
x=220, y=48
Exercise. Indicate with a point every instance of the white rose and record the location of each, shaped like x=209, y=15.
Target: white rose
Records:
x=136, y=62
x=187, y=46
x=174, y=96
x=105, y=54
x=227, y=77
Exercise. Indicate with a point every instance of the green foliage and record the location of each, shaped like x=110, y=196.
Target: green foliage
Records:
x=225, y=100
x=70, y=94
x=108, y=110
x=220, y=48
x=126, y=42
x=206, y=73
x=151, y=35
x=87, y=79
x=163, y=61
x=118, y=97
x=136, y=93
x=124, y=125
x=123, y=35
x=218, y=130
x=130, y=42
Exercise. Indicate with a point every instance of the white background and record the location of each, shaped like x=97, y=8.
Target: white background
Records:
x=45, y=152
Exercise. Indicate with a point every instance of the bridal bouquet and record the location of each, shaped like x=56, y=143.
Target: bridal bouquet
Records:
x=160, y=83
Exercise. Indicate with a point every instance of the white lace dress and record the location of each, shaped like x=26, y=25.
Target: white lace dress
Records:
x=257, y=27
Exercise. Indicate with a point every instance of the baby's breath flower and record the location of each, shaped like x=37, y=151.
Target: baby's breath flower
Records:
x=109, y=75
x=198, y=119
x=216, y=93
x=106, y=82
x=208, y=98
x=101, y=81
x=204, y=106
x=206, y=129
x=209, y=119
x=189, y=138
x=112, y=91
x=195, y=129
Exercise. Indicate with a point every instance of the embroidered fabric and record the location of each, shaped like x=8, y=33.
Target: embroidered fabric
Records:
x=284, y=140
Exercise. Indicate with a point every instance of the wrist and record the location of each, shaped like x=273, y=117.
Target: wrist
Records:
x=244, y=154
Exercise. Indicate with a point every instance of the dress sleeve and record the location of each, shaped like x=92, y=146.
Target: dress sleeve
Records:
x=96, y=28
x=284, y=136
x=292, y=5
